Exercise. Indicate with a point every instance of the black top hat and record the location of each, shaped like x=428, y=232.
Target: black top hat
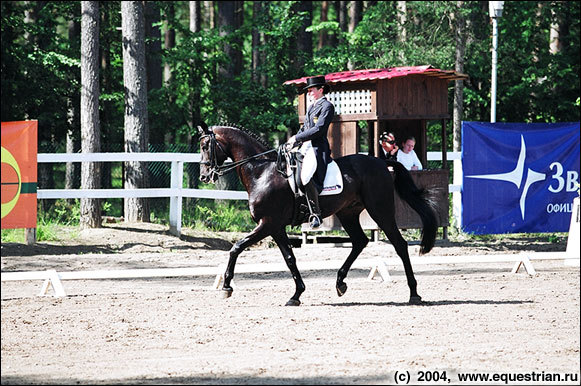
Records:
x=317, y=81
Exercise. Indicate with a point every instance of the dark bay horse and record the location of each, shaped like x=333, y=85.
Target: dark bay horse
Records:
x=367, y=185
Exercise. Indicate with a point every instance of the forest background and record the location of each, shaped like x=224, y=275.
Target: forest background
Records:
x=226, y=61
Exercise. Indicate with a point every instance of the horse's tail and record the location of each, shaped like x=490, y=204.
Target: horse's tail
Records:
x=419, y=201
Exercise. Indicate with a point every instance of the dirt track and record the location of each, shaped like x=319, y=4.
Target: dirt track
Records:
x=477, y=317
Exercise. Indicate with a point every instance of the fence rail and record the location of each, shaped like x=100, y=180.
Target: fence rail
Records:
x=175, y=192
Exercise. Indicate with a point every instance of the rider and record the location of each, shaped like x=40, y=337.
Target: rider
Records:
x=317, y=120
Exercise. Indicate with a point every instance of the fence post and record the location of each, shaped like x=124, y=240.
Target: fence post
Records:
x=30, y=236
x=175, y=201
x=457, y=196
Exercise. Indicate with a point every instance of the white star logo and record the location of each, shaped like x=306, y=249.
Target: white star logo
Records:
x=516, y=176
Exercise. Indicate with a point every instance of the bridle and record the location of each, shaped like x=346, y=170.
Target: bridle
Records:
x=217, y=170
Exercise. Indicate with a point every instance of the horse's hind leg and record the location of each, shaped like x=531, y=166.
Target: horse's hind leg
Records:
x=283, y=243
x=384, y=217
x=253, y=237
x=350, y=222
x=401, y=248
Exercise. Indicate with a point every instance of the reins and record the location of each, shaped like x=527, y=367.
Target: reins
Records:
x=221, y=170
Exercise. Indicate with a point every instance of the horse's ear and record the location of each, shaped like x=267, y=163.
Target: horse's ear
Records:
x=203, y=128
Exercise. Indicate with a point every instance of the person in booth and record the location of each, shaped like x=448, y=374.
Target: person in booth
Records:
x=388, y=147
x=317, y=121
x=407, y=156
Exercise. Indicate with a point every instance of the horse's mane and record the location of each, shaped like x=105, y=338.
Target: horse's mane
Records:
x=249, y=133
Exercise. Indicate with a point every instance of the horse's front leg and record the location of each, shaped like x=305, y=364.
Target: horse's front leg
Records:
x=253, y=237
x=283, y=243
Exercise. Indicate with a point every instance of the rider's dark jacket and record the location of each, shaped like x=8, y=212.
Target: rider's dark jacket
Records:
x=315, y=128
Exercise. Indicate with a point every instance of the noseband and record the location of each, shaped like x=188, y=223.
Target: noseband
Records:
x=215, y=169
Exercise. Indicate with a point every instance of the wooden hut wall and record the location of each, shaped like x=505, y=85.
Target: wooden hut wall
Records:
x=412, y=97
x=343, y=138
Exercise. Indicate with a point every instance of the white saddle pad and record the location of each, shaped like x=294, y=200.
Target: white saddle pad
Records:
x=333, y=180
x=333, y=183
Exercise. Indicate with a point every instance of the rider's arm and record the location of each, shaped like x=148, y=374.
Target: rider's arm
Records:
x=321, y=127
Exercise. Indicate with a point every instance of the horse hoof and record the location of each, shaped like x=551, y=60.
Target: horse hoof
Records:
x=226, y=293
x=416, y=300
x=341, y=289
x=293, y=303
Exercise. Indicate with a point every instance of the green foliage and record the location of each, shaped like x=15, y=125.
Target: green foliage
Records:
x=50, y=223
x=220, y=217
x=40, y=70
x=47, y=231
x=13, y=236
x=62, y=212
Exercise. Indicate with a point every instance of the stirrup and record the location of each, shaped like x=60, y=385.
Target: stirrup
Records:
x=314, y=221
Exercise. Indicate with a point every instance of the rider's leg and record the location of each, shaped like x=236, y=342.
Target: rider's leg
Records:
x=313, y=195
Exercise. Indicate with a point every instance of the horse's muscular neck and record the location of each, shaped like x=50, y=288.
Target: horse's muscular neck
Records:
x=241, y=146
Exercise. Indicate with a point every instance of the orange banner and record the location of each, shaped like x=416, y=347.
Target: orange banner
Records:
x=19, y=174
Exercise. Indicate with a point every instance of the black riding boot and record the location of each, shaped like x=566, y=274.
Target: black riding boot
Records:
x=313, y=194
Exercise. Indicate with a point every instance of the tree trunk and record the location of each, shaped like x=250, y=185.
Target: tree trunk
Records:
x=304, y=38
x=195, y=16
x=230, y=17
x=193, y=173
x=323, y=36
x=195, y=27
x=169, y=41
x=355, y=12
x=225, y=23
x=136, y=122
x=332, y=38
x=555, y=44
x=107, y=107
x=343, y=18
x=153, y=46
x=401, y=26
x=73, y=169
x=154, y=66
x=460, y=37
x=256, y=42
x=209, y=14
x=90, y=125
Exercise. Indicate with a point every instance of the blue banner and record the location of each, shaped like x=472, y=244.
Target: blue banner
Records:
x=519, y=177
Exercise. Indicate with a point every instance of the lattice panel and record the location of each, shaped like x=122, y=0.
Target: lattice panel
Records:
x=348, y=102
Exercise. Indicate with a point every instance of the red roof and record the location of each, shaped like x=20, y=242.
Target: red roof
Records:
x=382, y=73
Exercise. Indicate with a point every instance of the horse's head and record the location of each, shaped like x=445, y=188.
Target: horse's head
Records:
x=213, y=155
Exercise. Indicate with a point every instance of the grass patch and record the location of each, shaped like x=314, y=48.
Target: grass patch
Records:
x=13, y=236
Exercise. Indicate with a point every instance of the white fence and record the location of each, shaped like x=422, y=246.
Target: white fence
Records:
x=176, y=191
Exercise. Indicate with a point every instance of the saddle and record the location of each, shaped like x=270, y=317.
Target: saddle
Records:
x=298, y=165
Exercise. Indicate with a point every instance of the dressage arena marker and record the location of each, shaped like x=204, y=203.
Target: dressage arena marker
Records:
x=379, y=266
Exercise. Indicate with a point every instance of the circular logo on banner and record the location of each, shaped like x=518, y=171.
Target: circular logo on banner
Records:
x=11, y=182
